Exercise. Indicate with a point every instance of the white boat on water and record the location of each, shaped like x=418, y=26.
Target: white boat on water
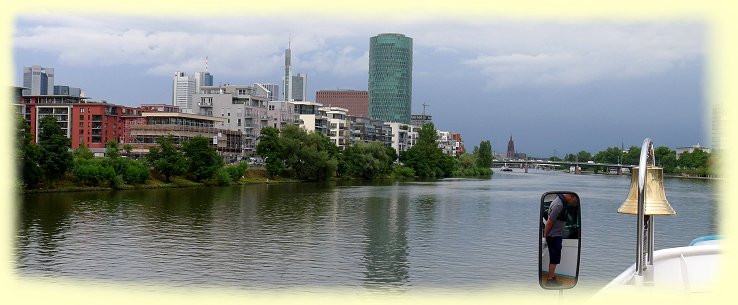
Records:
x=505, y=168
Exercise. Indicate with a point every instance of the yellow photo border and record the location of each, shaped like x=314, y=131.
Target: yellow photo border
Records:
x=720, y=88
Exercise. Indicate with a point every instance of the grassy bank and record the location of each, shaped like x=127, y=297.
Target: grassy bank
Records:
x=67, y=184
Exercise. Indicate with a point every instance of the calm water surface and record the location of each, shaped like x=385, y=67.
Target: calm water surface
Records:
x=453, y=233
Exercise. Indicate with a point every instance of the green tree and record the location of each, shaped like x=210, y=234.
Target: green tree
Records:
x=236, y=171
x=484, y=154
x=584, y=156
x=271, y=149
x=366, y=160
x=128, y=148
x=93, y=171
x=391, y=153
x=466, y=164
x=428, y=134
x=28, y=155
x=111, y=150
x=425, y=158
x=309, y=156
x=316, y=159
x=166, y=158
x=54, y=144
x=112, y=154
x=697, y=159
x=83, y=152
x=665, y=158
x=135, y=171
x=632, y=156
x=570, y=157
x=201, y=159
x=609, y=155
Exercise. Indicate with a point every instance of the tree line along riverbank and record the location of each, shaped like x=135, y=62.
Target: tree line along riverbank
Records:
x=291, y=154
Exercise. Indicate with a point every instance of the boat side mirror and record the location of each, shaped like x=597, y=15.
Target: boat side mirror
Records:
x=558, y=254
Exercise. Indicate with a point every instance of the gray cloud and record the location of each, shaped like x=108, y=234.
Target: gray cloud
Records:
x=506, y=53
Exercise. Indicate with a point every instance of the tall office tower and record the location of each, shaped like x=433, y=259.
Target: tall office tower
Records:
x=299, y=87
x=203, y=78
x=39, y=80
x=355, y=101
x=287, y=79
x=510, y=149
x=183, y=87
x=270, y=91
x=390, y=77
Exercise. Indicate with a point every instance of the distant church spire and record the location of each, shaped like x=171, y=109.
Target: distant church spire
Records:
x=510, y=149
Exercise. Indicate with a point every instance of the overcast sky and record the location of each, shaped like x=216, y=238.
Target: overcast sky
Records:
x=553, y=86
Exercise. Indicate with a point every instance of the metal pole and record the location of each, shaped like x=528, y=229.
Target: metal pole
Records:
x=651, y=158
x=649, y=223
x=642, y=167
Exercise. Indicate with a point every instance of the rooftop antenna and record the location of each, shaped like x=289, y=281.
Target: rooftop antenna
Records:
x=206, y=63
x=424, y=105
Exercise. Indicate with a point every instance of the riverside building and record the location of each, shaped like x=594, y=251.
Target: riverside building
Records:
x=92, y=123
x=365, y=129
x=241, y=108
x=185, y=126
x=337, y=121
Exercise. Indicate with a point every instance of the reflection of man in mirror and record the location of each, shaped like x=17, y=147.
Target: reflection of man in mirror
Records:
x=553, y=230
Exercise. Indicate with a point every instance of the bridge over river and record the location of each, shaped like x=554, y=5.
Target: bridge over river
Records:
x=525, y=164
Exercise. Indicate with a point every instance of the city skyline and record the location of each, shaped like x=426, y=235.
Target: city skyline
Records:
x=485, y=89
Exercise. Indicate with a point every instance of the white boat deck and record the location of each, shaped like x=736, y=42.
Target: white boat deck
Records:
x=692, y=269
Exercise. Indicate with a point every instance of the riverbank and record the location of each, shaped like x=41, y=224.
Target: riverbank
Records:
x=252, y=176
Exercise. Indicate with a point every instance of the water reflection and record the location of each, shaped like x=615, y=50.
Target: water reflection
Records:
x=454, y=233
x=386, y=249
x=43, y=225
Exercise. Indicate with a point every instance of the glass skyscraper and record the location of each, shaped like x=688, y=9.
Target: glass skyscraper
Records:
x=390, y=77
x=38, y=80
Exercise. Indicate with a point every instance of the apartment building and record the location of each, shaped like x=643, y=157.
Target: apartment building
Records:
x=338, y=126
x=241, y=106
x=183, y=127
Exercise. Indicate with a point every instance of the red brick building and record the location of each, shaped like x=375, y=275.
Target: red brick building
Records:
x=83, y=121
x=355, y=101
x=458, y=143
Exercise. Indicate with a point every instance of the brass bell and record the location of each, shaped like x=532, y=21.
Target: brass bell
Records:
x=655, y=202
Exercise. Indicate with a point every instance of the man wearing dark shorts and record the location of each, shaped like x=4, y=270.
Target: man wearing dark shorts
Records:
x=553, y=233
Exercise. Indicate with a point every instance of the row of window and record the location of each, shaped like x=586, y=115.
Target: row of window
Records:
x=94, y=132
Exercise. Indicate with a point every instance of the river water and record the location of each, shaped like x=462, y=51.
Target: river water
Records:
x=393, y=236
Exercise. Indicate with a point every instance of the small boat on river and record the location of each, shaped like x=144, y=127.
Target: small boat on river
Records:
x=505, y=168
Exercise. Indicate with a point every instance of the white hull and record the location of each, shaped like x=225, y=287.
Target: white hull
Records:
x=692, y=269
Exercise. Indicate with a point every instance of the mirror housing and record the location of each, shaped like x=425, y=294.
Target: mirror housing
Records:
x=568, y=246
